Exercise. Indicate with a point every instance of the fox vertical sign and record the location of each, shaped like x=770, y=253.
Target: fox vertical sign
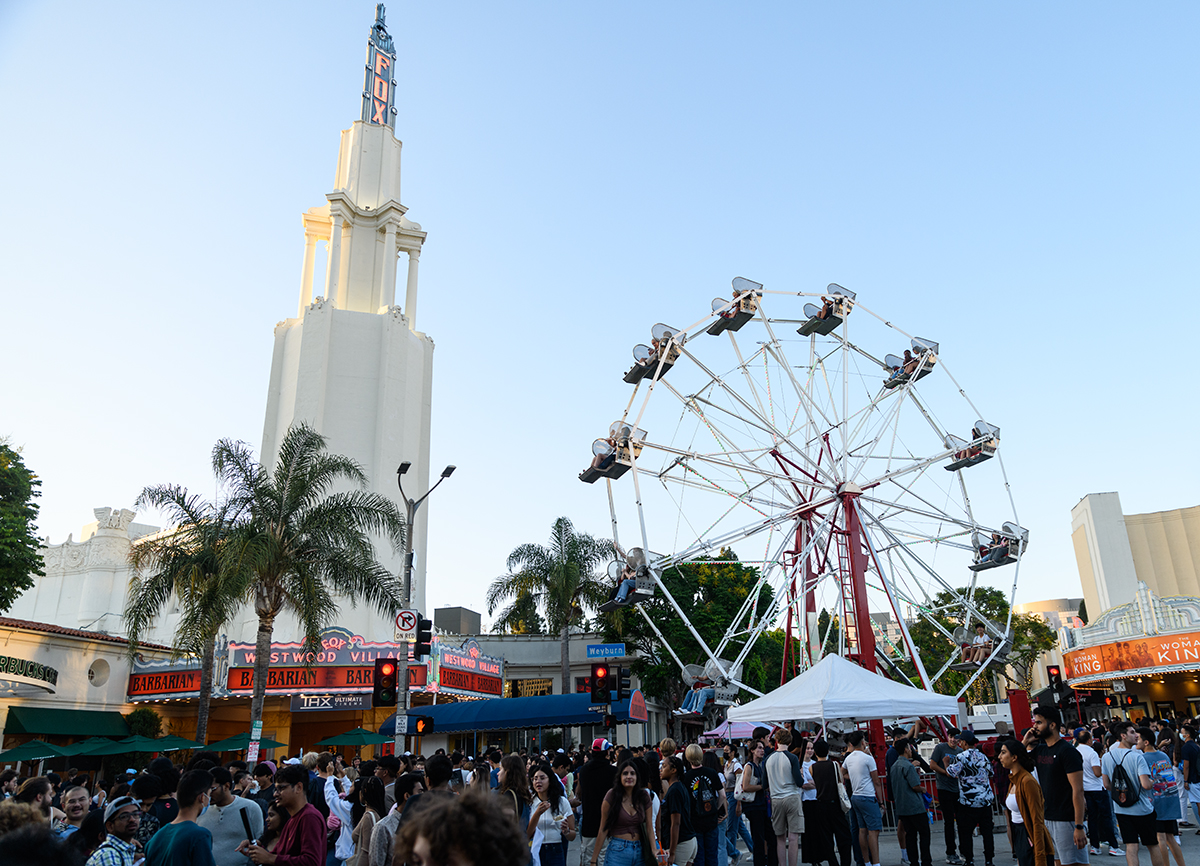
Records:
x=379, y=84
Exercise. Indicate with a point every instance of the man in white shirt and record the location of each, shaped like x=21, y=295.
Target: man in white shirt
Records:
x=1099, y=813
x=866, y=795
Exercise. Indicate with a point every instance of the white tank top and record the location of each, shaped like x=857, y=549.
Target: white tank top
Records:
x=1011, y=802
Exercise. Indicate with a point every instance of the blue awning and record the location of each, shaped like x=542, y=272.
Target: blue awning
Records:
x=506, y=714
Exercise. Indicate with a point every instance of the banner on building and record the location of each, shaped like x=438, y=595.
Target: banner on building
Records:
x=1141, y=655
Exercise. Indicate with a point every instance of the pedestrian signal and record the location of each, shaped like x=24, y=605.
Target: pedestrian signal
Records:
x=424, y=725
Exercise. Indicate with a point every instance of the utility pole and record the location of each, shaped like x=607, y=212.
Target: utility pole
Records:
x=410, y=511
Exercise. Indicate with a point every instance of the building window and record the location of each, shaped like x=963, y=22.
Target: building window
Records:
x=98, y=672
x=530, y=688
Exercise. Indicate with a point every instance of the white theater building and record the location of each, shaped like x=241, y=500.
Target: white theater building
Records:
x=350, y=362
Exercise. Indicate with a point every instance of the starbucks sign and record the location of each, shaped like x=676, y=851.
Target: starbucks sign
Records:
x=22, y=674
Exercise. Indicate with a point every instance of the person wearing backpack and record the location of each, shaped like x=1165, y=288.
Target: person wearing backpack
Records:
x=1127, y=777
x=708, y=805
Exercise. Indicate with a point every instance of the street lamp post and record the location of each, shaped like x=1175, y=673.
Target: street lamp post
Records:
x=410, y=507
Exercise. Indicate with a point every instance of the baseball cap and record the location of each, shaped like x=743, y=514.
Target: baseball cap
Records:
x=293, y=761
x=131, y=771
x=968, y=738
x=117, y=805
x=601, y=745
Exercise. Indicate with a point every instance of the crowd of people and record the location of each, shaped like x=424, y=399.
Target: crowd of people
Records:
x=790, y=795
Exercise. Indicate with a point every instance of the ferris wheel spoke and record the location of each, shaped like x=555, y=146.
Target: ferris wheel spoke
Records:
x=803, y=397
x=889, y=423
x=745, y=405
x=742, y=365
x=933, y=574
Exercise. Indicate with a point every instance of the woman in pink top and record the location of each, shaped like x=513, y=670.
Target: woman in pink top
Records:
x=625, y=819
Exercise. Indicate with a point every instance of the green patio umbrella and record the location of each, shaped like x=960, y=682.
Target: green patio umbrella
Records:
x=34, y=750
x=241, y=742
x=172, y=743
x=357, y=737
x=129, y=744
x=85, y=747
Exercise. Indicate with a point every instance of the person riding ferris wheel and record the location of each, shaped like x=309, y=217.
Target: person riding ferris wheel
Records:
x=773, y=427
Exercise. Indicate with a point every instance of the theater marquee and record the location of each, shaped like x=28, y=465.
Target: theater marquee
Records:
x=342, y=663
x=1141, y=655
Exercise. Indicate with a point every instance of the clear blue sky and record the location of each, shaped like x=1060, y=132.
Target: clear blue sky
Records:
x=1018, y=181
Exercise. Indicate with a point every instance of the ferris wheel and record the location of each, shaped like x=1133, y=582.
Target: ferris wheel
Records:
x=837, y=454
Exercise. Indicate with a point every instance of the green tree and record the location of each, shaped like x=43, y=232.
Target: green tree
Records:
x=144, y=722
x=833, y=634
x=562, y=579
x=1083, y=611
x=520, y=617
x=184, y=563
x=20, y=550
x=296, y=544
x=710, y=593
x=1031, y=638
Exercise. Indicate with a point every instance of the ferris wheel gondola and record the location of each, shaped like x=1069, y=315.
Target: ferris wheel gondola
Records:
x=791, y=444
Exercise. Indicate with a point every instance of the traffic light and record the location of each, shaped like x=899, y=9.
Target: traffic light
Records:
x=624, y=684
x=610, y=721
x=424, y=725
x=600, y=683
x=383, y=687
x=1054, y=677
x=423, y=645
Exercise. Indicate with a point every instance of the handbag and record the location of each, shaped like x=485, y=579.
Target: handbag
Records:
x=843, y=797
x=740, y=795
x=649, y=846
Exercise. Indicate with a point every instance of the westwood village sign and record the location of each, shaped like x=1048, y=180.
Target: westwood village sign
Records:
x=343, y=664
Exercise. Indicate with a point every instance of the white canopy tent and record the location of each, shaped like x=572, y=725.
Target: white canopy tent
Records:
x=835, y=688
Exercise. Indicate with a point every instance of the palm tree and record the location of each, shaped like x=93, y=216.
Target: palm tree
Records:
x=520, y=617
x=182, y=562
x=296, y=543
x=561, y=578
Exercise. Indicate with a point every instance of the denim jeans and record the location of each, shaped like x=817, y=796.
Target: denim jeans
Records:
x=734, y=827
x=627, y=586
x=552, y=854
x=855, y=847
x=707, y=852
x=1100, y=818
x=696, y=699
x=622, y=852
